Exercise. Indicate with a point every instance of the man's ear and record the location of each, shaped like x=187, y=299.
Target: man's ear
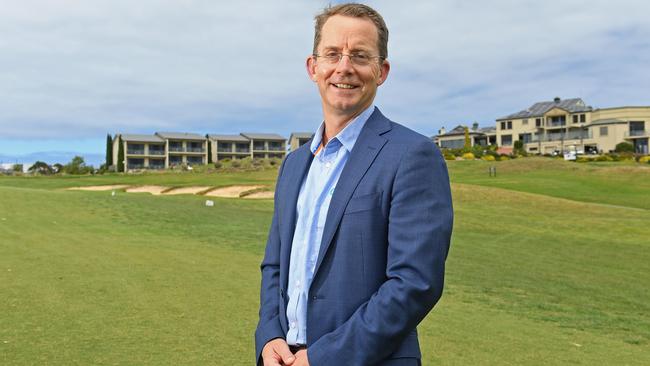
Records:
x=310, y=65
x=384, y=69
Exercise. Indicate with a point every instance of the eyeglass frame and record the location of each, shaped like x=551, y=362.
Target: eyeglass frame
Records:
x=350, y=56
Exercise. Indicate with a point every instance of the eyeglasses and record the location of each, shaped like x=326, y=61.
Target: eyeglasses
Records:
x=357, y=59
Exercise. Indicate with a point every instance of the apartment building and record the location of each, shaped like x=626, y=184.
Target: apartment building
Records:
x=266, y=145
x=563, y=125
x=167, y=149
x=184, y=148
x=298, y=139
x=140, y=151
x=229, y=147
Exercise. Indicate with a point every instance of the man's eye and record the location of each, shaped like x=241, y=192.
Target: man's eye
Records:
x=332, y=55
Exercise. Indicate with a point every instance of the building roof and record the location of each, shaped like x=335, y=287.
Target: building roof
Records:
x=180, y=136
x=238, y=138
x=301, y=135
x=606, y=121
x=140, y=138
x=460, y=130
x=262, y=136
x=573, y=105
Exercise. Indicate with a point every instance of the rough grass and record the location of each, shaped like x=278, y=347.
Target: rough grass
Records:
x=533, y=277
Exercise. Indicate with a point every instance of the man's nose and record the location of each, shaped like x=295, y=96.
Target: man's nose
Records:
x=345, y=64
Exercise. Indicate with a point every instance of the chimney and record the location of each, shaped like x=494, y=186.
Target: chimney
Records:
x=442, y=131
x=475, y=126
x=557, y=100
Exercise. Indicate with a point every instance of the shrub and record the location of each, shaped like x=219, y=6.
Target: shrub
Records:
x=218, y=164
x=504, y=157
x=488, y=158
x=235, y=163
x=624, y=147
x=604, y=158
x=644, y=159
x=468, y=156
x=449, y=156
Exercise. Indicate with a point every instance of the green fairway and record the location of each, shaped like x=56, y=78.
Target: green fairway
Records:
x=548, y=265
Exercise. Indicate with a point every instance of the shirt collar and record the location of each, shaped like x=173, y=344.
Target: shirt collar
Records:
x=348, y=135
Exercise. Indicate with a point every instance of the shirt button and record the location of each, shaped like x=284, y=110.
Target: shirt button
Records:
x=293, y=324
x=297, y=283
x=328, y=164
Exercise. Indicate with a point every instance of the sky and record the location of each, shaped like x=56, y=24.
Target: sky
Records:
x=73, y=71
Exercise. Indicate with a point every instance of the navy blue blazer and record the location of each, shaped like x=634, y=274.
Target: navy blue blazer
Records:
x=381, y=263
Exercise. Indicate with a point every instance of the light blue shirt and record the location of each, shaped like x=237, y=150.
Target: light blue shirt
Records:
x=312, y=206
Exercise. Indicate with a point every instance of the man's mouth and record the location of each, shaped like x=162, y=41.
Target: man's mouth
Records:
x=345, y=86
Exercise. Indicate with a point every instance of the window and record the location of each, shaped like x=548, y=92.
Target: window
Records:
x=510, y=125
x=452, y=144
x=575, y=118
x=524, y=122
x=506, y=140
x=603, y=131
x=503, y=125
x=538, y=122
x=583, y=118
x=525, y=137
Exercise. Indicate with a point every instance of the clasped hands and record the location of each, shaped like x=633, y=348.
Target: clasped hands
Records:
x=276, y=353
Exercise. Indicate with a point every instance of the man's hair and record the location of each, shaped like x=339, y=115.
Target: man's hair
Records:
x=354, y=10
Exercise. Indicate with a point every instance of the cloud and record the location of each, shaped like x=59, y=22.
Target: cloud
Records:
x=80, y=69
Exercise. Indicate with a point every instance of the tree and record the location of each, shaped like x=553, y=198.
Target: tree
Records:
x=40, y=168
x=57, y=168
x=76, y=166
x=120, y=154
x=468, y=141
x=109, y=150
x=17, y=168
x=209, y=152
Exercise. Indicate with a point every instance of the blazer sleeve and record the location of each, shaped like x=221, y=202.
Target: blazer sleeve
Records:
x=268, y=326
x=419, y=232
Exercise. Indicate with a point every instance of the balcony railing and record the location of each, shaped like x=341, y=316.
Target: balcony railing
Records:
x=224, y=150
x=562, y=136
x=135, y=152
x=243, y=150
x=276, y=148
x=555, y=123
x=135, y=166
x=259, y=147
x=176, y=149
x=195, y=149
x=156, y=152
x=636, y=133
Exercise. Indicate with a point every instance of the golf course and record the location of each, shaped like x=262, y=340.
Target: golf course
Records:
x=549, y=265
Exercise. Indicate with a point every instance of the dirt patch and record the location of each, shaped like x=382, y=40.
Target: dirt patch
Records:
x=99, y=188
x=155, y=190
x=187, y=190
x=261, y=194
x=231, y=192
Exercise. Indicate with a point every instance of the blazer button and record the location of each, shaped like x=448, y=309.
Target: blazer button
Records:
x=314, y=297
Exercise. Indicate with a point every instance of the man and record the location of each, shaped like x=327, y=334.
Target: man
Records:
x=362, y=221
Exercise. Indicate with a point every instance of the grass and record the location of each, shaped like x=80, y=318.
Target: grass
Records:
x=535, y=275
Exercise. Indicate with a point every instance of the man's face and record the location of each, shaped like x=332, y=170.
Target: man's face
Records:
x=347, y=89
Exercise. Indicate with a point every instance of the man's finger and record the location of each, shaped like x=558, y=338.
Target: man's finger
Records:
x=282, y=349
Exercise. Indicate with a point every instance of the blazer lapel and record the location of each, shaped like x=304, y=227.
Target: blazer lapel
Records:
x=366, y=148
x=287, y=215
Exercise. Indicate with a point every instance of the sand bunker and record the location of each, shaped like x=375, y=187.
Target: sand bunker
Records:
x=261, y=194
x=188, y=190
x=155, y=190
x=231, y=192
x=99, y=188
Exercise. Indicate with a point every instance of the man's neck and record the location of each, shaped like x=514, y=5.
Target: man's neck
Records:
x=335, y=123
